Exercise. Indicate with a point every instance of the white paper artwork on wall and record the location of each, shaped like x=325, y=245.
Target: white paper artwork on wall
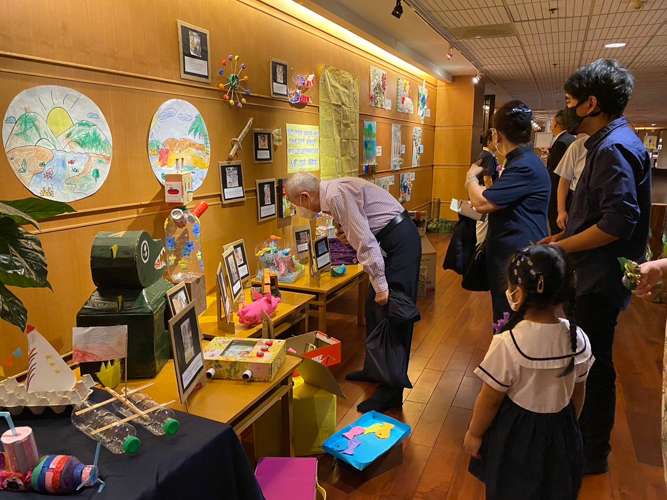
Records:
x=396, y=147
x=417, y=148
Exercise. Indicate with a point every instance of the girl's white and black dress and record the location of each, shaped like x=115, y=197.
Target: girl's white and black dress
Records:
x=533, y=449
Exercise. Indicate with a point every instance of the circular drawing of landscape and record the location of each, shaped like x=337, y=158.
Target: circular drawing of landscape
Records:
x=58, y=143
x=178, y=142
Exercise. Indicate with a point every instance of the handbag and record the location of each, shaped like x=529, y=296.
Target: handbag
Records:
x=475, y=276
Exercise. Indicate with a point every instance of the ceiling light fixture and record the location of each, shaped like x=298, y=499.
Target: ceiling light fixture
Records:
x=477, y=78
x=615, y=45
x=653, y=124
x=398, y=10
x=450, y=53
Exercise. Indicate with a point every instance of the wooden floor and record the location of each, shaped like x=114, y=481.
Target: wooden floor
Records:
x=449, y=342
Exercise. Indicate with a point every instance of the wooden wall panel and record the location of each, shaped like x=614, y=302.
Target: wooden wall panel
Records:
x=124, y=55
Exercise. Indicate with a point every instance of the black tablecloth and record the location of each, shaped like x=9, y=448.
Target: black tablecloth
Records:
x=203, y=460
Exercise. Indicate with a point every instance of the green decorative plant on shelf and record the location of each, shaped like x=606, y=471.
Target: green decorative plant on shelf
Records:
x=22, y=260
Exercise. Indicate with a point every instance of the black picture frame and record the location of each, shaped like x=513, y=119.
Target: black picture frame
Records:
x=187, y=350
x=178, y=298
x=279, y=76
x=194, y=52
x=286, y=208
x=302, y=237
x=226, y=312
x=235, y=283
x=231, y=181
x=241, y=258
x=266, y=199
x=262, y=141
x=321, y=253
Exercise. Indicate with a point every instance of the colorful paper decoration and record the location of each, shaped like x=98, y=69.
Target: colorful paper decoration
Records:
x=370, y=136
x=17, y=353
x=405, y=188
x=422, y=102
x=46, y=369
x=58, y=143
x=378, y=93
x=99, y=343
x=404, y=104
x=178, y=141
x=109, y=374
x=302, y=83
x=234, y=91
x=396, y=160
x=417, y=148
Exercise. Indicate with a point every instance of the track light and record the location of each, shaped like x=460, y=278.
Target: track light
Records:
x=398, y=10
x=477, y=78
x=450, y=53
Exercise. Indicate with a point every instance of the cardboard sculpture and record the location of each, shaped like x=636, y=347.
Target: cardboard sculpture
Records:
x=244, y=359
x=127, y=268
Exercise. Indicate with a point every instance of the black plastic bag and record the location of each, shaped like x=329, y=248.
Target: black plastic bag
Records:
x=475, y=277
x=462, y=245
x=387, y=346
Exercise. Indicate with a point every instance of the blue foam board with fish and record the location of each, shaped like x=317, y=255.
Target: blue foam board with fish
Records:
x=371, y=447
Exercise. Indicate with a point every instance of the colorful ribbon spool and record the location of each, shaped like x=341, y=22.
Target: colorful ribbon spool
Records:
x=61, y=474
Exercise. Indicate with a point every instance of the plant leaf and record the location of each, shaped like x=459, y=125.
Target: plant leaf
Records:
x=40, y=209
x=664, y=239
x=22, y=260
x=7, y=211
x=12, y=309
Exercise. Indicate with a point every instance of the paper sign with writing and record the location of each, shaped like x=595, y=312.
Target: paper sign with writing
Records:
x=303, y=148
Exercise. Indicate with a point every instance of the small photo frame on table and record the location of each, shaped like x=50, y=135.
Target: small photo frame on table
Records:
x=240, y=258
x=225, y=312
x=285, y=207
x=231, y=180
x=187, y=350
x=279, y=79
x=178, y=298
x=235, y=284
x=194, y=53
x=321, y=253
x=262, y=141
x=266, y=199
x=302, y=237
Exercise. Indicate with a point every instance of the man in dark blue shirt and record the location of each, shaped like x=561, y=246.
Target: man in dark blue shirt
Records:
x=609, y=219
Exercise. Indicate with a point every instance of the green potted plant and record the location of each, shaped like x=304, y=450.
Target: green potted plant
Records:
x=22, y=260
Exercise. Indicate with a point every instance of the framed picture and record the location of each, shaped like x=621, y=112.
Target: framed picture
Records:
x=178, y=299
x=231, y=180
x=232, y=270
x=262, y=140
x=266, y=199
x=321, y=253
x=194, y=53
x=285, y=207
x=225, y=307
x=186, y=345
x=279, y=79
x=240, y=258
x=302, y=239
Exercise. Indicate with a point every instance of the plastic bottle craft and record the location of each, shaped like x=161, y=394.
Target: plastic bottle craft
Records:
x=280, y=262
x=105, y=427
x=182, y=232
x=234, y=92
x=159, y=422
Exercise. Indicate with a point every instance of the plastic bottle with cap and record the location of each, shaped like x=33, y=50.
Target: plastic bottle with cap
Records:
x=159, y=422
x=182, y=233
x=119, y=439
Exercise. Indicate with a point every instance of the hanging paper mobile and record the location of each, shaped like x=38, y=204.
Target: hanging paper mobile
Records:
x=234, y=91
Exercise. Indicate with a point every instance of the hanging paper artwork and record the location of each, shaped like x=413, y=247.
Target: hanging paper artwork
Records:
x=303, y=147
x=385, y=182
x=58, y=143
x=417, y=148
x=422, y=103
x=99, y=343
x=378, y=94
x=405, y=188
x=370, y=136
x=404, y=97
x=178, y=142
x=396, y=160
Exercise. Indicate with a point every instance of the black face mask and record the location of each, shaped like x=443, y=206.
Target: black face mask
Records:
x=573, y=120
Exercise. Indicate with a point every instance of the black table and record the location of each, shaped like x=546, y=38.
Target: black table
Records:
x=203, y=460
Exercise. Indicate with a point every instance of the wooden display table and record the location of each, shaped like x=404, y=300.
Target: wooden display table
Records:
x=236, y=403
x=293, y=309
x=330, y=288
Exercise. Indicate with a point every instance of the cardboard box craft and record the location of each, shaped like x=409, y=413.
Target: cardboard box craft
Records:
x=327, y=349
x=429, y=260
x=244, y=359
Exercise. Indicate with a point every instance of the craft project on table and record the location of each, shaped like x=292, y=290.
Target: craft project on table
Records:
x=57, y=142
x=279, y=261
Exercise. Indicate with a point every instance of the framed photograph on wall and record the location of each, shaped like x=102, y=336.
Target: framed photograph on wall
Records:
x=178, y=298
x=240, y=258
x=262, y=140
x=235, y=284
x=321, y=253
x=279, y=79
x=225, y=307
x=285, y=207
x=194, y=53
x=187, y=350
x=231, y=180
x=266, y=199
x=302, y=238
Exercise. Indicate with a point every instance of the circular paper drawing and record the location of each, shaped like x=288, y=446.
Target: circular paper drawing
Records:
x=58, y=143
x=178, y=142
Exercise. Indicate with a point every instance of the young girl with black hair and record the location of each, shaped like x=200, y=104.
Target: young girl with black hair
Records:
x=524, y=435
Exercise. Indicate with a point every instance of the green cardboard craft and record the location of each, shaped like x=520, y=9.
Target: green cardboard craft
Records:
x=128, y=267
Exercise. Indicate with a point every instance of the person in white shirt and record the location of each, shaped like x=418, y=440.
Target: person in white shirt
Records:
x=569, y=170
x=524, y=435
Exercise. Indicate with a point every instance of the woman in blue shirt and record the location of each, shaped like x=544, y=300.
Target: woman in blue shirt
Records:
x=518, y=201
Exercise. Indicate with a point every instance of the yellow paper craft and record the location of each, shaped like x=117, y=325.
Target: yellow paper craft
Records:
x=385, y=431
x=373, y=429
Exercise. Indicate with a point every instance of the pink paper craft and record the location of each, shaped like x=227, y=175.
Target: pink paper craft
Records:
x=354, y=432
x=287, y=478
x=251, y=314
x=351, y=446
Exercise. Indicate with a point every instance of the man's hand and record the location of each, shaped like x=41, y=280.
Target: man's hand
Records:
x=382, y=297
x=562, y=220
x=475, y=170
x=472, y=444
x=550, y=240
x=651, y=274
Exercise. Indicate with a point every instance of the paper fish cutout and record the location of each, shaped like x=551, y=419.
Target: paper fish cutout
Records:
x=352, y=446
x=354, y=432
x=46, y=369
x=382, y=431
x=373, y=429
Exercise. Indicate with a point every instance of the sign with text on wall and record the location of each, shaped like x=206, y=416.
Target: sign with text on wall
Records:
x=303, y=148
